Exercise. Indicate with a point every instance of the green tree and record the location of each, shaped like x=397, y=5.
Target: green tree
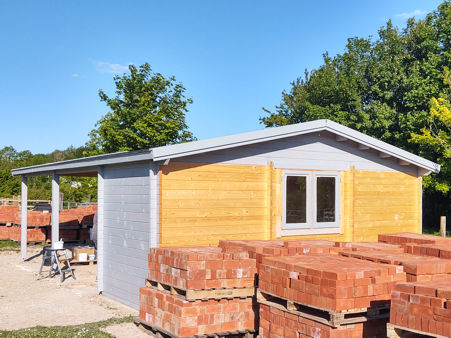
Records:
x=382, y=87
x=147, y=111
x=77, y=189
x=437, y=138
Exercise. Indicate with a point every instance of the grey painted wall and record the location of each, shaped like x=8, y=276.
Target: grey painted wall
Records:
x=312, y=151
x=127, y=230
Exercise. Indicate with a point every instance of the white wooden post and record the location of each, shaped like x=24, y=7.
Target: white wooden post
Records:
x=100, y=209
x=154, y=205
x=55, y=208
x=23, y=218
x=443, y=226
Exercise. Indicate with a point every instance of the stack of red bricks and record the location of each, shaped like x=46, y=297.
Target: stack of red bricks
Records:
x=405, y=238
x=330, y=277
x=329, y=282
x=8, y=214
x=254, y=248
x=179, y=317
x=365, y=246
x=423, y=306
x=275, y=323
x=40, y=221
x=260, y=249
x=198, y=268
x=434, y=250
x=417, y=268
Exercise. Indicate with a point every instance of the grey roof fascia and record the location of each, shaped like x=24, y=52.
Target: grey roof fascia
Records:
x=381, y=146
x=219, y=143
x=85, y=162
x=196, y=147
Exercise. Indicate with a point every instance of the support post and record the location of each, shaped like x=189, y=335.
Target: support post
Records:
x=100, y=226
x=443, y=226
x=23, y=218
x=55, y=208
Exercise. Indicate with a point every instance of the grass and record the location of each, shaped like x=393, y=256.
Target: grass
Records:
x=83, y=330
x=432, y=231
x=9, y=246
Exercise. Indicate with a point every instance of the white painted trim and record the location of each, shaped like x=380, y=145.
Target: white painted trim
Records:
x=421, y=204
x=308, y=179
x=311, y=227
x=100, y=227
x=337, y=222
x=23, y=217
x=154, y=232
x=305, y=232
x=55, y=208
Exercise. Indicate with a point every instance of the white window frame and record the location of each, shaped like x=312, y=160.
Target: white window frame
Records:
x=311, y=227
x=308, y=180
x=335, y=224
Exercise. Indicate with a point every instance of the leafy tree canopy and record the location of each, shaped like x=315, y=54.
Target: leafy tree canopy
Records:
x=383, y=87
x=77, y=189
x=147, y=111
x=437, y=137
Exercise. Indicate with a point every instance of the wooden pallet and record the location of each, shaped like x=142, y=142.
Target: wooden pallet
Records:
x=158, y=332
x=88, y=262
x=329, y=317
x=205, y=293
x=396, y=331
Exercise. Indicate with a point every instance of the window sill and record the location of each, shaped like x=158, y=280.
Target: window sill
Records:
x=305, y=232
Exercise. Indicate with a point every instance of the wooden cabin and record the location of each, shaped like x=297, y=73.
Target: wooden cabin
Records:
x=316, y=179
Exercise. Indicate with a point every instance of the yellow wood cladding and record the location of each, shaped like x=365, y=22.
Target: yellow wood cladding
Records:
x=385, y=202
x=203, y=203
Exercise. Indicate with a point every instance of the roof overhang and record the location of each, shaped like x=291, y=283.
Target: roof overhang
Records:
x=164, y=154
x=197, y=147
x=86, y=165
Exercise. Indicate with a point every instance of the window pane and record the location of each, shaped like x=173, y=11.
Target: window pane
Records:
x=296, y=199
x=325, y=199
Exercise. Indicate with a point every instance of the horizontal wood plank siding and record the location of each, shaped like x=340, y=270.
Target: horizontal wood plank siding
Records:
x=385, y=202
x=201, y=204
x=198, y=210
x=126, y=230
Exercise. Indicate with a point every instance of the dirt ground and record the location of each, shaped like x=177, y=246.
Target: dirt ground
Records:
x=26, y=302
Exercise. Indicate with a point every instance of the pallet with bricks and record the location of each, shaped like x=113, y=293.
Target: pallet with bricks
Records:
x=417, y=268
x=404, y=238
x=330, y=296
x=199, y=291
x=328, y=307
x=421, y=308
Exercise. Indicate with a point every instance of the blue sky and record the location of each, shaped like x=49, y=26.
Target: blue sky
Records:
x=234, y=57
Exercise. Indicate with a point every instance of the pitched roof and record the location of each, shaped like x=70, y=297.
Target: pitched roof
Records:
x=231, y=141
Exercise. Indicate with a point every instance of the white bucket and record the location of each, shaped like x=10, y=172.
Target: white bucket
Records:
x=82, y=256
x=58, y=245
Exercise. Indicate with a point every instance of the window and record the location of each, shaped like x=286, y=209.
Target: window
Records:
x=311, y=201
x=297, y=203
x=327, y=198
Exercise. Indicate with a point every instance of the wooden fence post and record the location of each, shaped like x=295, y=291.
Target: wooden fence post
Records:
x=443, y=226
